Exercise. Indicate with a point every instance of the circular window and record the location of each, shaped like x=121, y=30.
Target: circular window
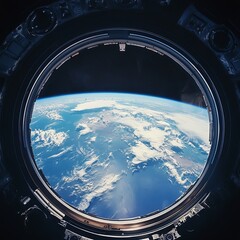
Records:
x=115, y=137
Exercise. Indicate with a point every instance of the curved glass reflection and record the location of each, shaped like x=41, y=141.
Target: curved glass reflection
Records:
x=116, y=155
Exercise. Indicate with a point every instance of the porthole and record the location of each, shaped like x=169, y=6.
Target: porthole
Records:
x=118, y=119
x=117, y=149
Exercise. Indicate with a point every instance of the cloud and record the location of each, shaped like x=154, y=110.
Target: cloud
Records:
x=93, y=139
x=94, y=105
x=153, y=135
x=43, y=138
x=177, y=143
x=53, y=115
x=48, y=109
x=61, y=153
x=205, y=148
x=77, y=174
x=193, y=126
x=83, y=172
x=92, y=160
x=106, y=184
x=144, y=130
x=174, y=173
x=143, y=153
x=83, y=129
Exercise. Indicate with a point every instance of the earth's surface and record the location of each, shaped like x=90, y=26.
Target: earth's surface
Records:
x=119, y=156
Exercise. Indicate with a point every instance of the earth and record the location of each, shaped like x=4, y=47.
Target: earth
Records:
x=119, y=156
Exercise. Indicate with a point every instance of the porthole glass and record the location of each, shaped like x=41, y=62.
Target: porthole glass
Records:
x=116, y=134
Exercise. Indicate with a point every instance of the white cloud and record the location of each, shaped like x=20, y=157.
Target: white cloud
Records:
x=174, y=173
x=84, y=129
x=205, y=148
x=144, y=130
x=193, y=126
x=127, y=109
x=105, y=184
x=137, y=124
x=191, y=144
x=53, y=115
x=62, y=152
x=94, y=104
x=163, y=123
x=153, y=135
x=49, y=137
x=143, y=153
x=80, y=173
x=48, y=109
x=93, y=139
x=77, y=174
x=92, y=160
x=177, y=143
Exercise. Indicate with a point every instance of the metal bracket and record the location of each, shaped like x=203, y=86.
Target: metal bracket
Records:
x=69, y=235
x=171, y=235
x=218, y=38
x=53, y=210
x=192, y=212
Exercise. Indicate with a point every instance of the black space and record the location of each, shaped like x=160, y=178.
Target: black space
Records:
x=223, y=225
x=105, y=68
x=137, y=70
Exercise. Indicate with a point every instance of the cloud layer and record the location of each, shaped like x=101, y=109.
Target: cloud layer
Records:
x=108, y=140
